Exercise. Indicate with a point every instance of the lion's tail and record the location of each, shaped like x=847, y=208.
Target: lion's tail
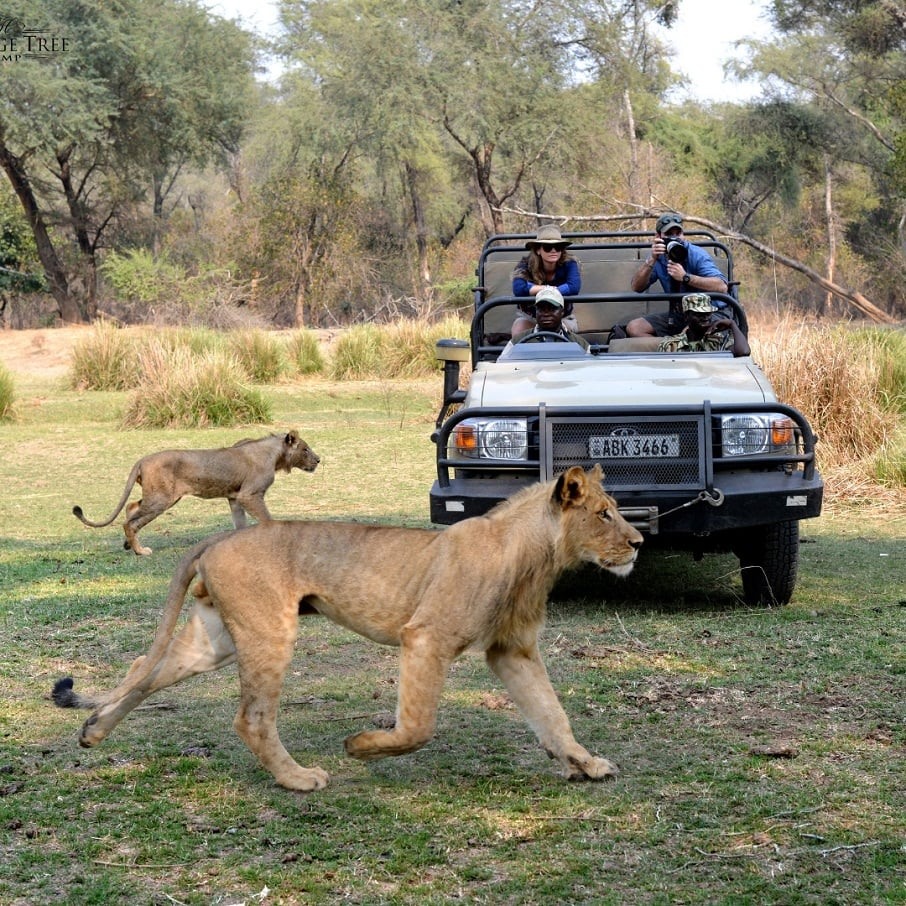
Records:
x=130, y=483
x=63, y=694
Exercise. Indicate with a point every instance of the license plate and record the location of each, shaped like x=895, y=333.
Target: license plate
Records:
x=634, y=446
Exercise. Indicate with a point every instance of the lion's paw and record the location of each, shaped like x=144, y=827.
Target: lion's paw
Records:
x=304, y=780
x=592, y=768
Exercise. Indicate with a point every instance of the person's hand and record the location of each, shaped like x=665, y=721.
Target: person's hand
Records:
x=658, y=248
x=719, y=325
x=676, y=271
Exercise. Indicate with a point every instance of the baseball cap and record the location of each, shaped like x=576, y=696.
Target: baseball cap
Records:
x=698, y=302
x=551, y=295
x=668, y=221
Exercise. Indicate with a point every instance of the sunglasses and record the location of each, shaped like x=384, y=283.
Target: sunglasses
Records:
x=549, y=246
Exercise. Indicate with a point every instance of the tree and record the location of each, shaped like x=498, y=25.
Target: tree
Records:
x=125, y=96
x=846, y=60
x=366, y=60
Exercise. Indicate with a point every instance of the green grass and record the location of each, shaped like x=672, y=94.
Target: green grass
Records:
x=762, y=751
x=7, y=395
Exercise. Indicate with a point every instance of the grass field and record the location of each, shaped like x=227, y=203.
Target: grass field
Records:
x=762, y=751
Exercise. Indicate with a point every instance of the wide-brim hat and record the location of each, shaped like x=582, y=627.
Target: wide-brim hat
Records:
x=699, y=302
x=548, y=235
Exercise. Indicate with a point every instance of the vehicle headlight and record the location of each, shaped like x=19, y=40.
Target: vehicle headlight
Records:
x=753, y=433
x=490, y=438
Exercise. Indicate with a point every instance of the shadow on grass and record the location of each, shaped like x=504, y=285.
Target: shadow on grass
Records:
x=661, y=581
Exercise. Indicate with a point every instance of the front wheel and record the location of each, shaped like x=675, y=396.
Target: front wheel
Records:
x=769, y=560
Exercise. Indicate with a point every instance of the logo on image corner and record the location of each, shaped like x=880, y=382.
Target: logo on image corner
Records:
x=18, y=42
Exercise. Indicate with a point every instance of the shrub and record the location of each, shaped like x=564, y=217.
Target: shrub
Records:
x=403, y=349
x=409, y=346
x=888, y=349
x=105, y=360
x=180, y=389
x=138, y=276
x=260, y=354
x=7, y=395
x=304, y=352
x=458, y=294
x=199, y=340
x=358, y=353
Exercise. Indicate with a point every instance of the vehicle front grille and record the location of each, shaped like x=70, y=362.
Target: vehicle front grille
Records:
x=635, y=453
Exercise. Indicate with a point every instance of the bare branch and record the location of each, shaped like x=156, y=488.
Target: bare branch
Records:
x=875, y=131
x=855, y=298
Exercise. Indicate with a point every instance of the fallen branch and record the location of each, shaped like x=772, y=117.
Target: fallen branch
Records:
x=853, y=297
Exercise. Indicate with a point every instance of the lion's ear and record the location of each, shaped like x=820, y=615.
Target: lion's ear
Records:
x=291, y=439
x=572, y=487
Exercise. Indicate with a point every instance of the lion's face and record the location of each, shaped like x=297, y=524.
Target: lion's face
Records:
x=298, y=455
x=598, y=532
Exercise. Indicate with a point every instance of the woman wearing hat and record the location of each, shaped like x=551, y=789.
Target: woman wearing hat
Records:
x=547, y=264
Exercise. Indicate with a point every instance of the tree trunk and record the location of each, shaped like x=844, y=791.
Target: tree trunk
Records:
x=831, y=232
x=54, y=271
x=299, y=307
x=83, y=291
x=633, y=151
x=421, y=230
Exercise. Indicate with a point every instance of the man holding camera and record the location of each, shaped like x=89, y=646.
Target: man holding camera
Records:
x=681, y=267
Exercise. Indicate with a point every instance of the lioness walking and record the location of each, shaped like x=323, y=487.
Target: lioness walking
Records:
x=241, y=473
x=481, y=583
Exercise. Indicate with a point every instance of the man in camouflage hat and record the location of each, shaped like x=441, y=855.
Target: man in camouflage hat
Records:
x=703, y=331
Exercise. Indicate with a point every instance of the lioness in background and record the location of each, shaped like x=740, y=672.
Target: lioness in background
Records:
x=241, y=473
x=481, y=583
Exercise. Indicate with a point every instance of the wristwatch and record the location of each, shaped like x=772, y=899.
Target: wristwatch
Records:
x=685, y=279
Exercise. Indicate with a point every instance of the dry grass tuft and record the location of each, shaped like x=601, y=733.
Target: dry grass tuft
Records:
x=104, y=360
x=7, y=395
x=842, y=381
x=183, y=389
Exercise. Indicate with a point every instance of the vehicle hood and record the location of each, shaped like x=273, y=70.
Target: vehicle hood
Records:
x=656, y=380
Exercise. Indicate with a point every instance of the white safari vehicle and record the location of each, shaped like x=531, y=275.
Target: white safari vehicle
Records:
x=696, y=448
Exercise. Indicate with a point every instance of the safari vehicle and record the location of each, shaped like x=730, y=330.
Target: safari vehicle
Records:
x=696, y=448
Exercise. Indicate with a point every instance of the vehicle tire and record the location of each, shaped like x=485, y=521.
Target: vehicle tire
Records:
x=769, y=559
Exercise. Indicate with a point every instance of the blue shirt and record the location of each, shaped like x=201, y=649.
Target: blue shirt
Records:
x=698, y=263
x=566, y=278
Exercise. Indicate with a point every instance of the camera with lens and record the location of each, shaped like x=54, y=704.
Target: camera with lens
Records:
x=677, y=251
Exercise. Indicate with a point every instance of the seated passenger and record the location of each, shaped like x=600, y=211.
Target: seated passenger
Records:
x=550, y=313
x=547, y=264
x=703, y=332
x=685, y=267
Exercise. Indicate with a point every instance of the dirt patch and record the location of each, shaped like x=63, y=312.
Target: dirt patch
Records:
x=42, y=353
x=48, y=352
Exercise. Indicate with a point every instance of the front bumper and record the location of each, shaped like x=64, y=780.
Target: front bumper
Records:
x=737, y=500
x=691, y=491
